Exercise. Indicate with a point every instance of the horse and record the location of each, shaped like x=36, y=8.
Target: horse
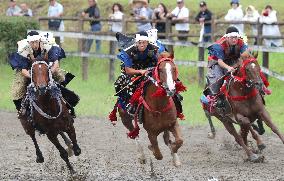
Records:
x=48, y=113
x=159, y=112
x=242, y=91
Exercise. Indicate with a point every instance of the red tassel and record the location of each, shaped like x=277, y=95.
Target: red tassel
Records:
x=264, y=79
x=181, y=116
x=180, y=87
x=112, y=116
x=134, y=133
x=160, y=92
x=135, y=97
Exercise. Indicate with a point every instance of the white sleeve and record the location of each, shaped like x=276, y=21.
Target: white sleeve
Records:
x=184, y=13
x=228, y=16
x=175, y=11
x=60, y=9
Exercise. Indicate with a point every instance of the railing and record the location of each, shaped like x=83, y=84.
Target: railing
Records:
x=80, y=34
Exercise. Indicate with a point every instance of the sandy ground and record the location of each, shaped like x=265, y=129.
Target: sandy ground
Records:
x=107, y=154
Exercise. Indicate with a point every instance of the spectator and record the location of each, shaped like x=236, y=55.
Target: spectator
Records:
x=93, y=12
x=25, y=10
x=117, y=14
x=55, y=10
x=181, y=14
x=140, y=13
x=235, y=14
x=160, y=13
x=204, y=17
x=268, y=16
x=13, y=9
x=252, y=15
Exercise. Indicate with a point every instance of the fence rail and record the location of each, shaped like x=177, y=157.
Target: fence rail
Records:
x=81, y=35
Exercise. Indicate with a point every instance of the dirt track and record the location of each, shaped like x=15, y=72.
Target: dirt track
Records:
x=107, y=154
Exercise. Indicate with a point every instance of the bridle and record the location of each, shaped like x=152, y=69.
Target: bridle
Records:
x=55, y=93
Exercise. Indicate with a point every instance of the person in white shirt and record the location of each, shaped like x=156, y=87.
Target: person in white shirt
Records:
x=252, y=15
x=13, y=9
x=55, y=9
x=268, y=17
x=117, y=14
x=181, y=13
x=235, y=14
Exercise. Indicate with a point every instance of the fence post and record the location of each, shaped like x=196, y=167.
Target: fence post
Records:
x=81, y=48
x=168, y=32
x=213, y=29
x=265, y=61
x=201, y=51
x=112, y=47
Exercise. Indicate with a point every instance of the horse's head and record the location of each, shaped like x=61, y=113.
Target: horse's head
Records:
x=166, y=73
x=40, y=76
x=250, y=71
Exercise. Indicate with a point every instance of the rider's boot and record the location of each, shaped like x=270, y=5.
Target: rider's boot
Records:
x=68, y=78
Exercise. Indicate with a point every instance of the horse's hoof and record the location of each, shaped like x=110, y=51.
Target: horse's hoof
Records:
x=211, y=135
x=261, y=147
x=77, y=150
x=176, y=160
x=40, y=159
x=256, y=159
x=159, y=156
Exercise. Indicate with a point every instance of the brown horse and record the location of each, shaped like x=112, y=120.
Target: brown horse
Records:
x=48, y=112
x=159, y=112
x=247, y=104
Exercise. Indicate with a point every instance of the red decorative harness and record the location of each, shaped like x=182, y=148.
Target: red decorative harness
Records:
x=241, y=79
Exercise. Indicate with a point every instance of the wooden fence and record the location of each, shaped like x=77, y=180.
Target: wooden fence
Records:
x=82, y=35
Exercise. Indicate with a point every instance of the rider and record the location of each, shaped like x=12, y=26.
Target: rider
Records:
x=137, y=56
x=35, y=47
x=224, y=55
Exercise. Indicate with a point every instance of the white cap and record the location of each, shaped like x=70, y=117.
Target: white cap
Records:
x=33, y=38
x=179, y=1
x=232, y=34
x=139, y=37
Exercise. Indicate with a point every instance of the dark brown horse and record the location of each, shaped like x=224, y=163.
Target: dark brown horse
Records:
x=48, y=113
x=159, y=112
x=247, y=104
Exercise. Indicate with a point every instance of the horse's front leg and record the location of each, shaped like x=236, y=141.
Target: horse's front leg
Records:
x=39, y=158
x=68, y=143
x=231, y=129
x=63, y=153
x=264, y=116
x=176, y=144
x=154, y=147
x=72, y=135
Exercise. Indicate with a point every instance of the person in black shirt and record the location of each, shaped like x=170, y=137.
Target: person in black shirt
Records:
x=160, y=13
x=93, y=12
x=203, y=17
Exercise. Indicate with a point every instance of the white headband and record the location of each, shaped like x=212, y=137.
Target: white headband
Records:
x=33, y=38
x=139, y=37
x=232, y=34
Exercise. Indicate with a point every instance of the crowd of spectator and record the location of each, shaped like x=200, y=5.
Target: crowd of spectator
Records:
x=141, y=10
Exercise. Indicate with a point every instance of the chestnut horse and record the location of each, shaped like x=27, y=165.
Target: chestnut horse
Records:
x=242, y=92
x=48, y=112
x=159, y=113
